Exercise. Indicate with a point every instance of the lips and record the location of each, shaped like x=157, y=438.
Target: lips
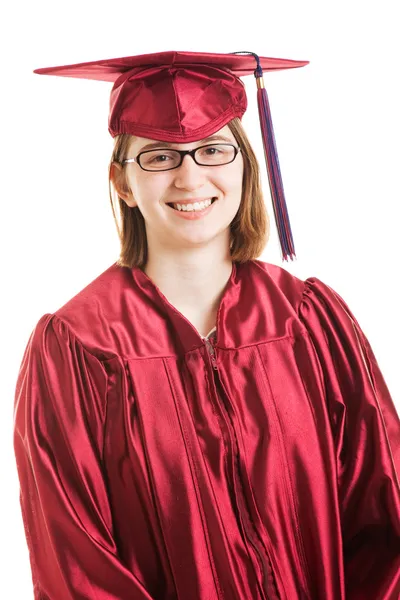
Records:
x=192, y=215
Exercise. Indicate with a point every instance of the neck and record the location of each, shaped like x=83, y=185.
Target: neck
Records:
x=193, y=284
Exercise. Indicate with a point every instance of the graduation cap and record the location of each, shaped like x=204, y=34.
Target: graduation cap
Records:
x=183, y=97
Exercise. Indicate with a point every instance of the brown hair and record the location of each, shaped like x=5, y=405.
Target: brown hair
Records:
x=249, y=229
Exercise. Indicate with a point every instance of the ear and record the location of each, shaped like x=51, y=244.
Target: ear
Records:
x=118, y=179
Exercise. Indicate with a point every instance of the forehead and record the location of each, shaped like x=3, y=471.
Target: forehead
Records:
x=140, y=143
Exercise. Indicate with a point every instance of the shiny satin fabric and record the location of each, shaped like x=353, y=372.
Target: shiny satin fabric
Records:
x=173, y=96
x=156, y=465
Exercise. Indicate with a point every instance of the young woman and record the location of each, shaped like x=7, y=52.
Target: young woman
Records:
x=196, y=423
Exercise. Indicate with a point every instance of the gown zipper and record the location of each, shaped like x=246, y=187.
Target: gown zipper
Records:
x=266, y=569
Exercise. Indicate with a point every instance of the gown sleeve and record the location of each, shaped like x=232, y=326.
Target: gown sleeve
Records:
x=366, y=434
x=58, y=435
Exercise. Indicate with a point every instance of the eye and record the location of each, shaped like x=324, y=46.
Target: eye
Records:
x=160, y=158
x=156, y=158
x=211, y=150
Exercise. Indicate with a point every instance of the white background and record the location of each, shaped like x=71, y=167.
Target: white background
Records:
x=337, y=127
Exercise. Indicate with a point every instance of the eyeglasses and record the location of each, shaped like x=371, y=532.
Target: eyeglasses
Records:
x=165, y=159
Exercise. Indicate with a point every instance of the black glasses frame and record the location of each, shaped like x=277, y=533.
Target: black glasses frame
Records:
x=182, y=155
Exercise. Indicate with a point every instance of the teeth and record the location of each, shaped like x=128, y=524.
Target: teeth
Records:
x=193, y=207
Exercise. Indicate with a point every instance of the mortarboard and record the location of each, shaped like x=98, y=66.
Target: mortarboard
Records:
x=186, y=96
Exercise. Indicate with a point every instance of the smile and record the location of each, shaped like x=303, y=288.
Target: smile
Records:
x=193, y=212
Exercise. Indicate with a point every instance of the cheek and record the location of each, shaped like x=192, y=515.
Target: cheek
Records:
x=148, y=189
x=232, y=180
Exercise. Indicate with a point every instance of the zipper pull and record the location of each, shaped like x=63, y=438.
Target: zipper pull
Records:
x=211, y=352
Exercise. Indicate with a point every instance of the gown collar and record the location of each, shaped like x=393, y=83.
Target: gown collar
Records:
x=188, y=335
x=256, y=307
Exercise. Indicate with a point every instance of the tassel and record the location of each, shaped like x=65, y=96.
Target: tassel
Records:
x=274, y=173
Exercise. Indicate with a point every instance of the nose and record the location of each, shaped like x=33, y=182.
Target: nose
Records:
x=189, y=175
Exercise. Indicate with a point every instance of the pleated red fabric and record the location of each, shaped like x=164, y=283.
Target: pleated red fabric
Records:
x=156, y=465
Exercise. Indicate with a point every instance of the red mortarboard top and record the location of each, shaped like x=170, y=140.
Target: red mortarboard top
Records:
x=187, y=96
x=173, y=96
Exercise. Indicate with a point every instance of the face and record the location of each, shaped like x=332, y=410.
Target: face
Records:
x=152, y=192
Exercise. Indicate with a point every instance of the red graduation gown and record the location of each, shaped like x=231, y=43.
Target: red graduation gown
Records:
x=154, y=465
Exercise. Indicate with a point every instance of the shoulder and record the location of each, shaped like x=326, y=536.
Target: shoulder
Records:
x=307, y=306
x=279, y=281
x=286, y=288
x=101, y=302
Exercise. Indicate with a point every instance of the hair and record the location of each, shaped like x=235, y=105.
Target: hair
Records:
x=249, y=230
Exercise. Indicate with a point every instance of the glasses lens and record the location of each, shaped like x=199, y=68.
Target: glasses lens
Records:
x=159, y=160
x=218, y=154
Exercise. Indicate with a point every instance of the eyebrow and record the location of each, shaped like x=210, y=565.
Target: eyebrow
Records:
x=213, y=138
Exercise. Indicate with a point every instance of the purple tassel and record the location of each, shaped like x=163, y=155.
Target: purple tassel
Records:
x=272, y=162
